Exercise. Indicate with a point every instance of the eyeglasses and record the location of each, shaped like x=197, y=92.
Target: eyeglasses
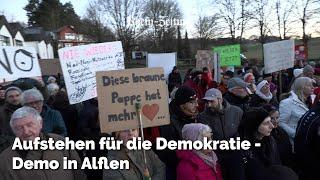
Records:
x=34, y=103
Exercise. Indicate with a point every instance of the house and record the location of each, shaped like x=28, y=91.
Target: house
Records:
x=16, y=33
x=41, y=40
x=5, y=35
x=67, y=36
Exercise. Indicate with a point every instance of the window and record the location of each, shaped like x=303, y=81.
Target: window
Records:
x=70, y=36
x=4, y=41
x=68, y=44
x=19, y=43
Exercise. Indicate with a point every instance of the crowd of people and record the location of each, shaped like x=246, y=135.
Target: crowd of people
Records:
x=247, y=103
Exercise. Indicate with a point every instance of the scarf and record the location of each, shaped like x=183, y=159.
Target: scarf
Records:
x=260, y=94
x=210, y=160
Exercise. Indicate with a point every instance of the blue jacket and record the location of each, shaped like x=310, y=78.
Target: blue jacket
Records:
x=52, y=121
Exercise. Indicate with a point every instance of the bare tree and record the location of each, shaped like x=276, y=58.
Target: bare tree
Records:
x=164, y=17
x=305, y=10
x=261, y=18
x=207, y=27
x=235, y=16
x=122, y=15
x=284, y=13
x=93, y=25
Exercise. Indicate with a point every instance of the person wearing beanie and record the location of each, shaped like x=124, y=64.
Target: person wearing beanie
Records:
x=153, y=169
x=237, y=94
x=280, y=136
x=174, y=80
x=196, y=84
x=256, y=127
x=183, y=110
x=263, y=96
x=197, y=164
x=12, y=102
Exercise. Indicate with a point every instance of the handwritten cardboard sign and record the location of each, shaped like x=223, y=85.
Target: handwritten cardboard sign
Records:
x=119, y=91
x=204, y=59
x=229, y=55
x=80, y=63
x=278, y=55
x=18, y=62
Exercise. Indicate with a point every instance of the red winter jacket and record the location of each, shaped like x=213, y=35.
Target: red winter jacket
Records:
x=192, y=167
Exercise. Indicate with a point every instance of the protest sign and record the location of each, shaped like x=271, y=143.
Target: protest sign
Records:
x=229, y=55
x=119, y=91
x=278, y=55
x=18, y=62
x=80, y=63
x=204, y=59
x=165, y=60
x=50, y=66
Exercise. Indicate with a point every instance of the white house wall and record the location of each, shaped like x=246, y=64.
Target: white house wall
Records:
x=50, y=51
x=43, y=50
x=32, y=44
x=19, y=37
x=4, y=32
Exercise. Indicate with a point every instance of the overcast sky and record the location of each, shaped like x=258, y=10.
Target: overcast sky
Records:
x=13, y=9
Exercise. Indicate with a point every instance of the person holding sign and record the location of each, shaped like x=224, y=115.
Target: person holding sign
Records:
x=183, y=110
x=138, y=170
x=200, y=165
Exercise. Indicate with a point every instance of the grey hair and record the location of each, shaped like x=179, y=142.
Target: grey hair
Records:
x=51, y=79
x=52, y=87
x=25, y=111
x=299, y=84
x=35, y=94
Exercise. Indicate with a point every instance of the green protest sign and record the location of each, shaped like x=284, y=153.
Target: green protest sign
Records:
x=229, y=55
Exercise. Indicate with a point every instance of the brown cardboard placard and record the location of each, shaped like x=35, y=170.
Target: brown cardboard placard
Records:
x=50, y=66
x=118, y=92
x=204, y=59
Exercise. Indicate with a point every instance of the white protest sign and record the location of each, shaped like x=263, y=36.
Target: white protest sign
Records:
x=278, y=55
x=165, y=60
x=80, y=63
x=18, y=62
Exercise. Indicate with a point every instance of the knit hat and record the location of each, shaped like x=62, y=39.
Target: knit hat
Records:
x=252, y=119
x=184, y=94
x=236, y=82
x=12, y=88
x=228, y=73
x=297, y=72
x=194, y=131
